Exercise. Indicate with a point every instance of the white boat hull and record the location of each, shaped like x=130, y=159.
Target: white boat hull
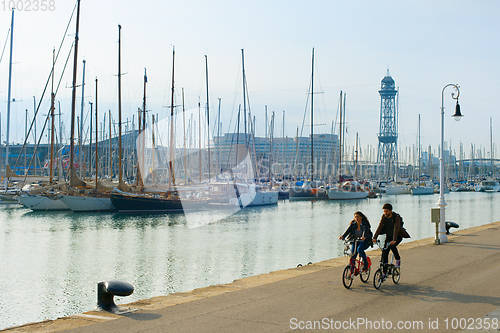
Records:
x=8, y=198
x=394, y=190
x=42, y=203
x=488, y=187
x=87, y=204
x=260, y=198
x=338, y=194
x=422, y=190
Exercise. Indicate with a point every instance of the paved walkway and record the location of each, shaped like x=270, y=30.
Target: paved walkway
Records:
x=443, y=288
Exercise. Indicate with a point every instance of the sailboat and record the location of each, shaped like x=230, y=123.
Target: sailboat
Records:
x=97, y=199
x=157, y=202
x=348, y=190
x=397, y=187
x=46, y=198
x=9, y=195
x=423, y=186
x=489, y=185
x=310, y=189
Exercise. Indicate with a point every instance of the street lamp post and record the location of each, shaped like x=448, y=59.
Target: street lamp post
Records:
x=441, y=202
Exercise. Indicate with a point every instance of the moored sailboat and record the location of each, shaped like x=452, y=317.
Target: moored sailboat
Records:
x=310, y=189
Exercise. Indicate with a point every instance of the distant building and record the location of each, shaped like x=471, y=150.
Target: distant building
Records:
x=287, y=156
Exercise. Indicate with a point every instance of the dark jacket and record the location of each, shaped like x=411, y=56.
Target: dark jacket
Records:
x=397, y=232
x=365, y=228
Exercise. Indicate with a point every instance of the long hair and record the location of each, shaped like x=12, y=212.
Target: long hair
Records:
x=363, y=218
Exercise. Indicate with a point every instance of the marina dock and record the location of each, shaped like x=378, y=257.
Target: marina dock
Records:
x=450, y=287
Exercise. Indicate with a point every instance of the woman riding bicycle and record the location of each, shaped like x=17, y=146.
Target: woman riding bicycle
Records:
x=359, y=228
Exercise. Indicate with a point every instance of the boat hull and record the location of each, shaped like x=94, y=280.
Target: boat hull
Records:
x=8, y=198
x=487, y=188
x=42, y=202
x=338, y=194
x=421, y=190
x=140, y=204
x=87, y=204
x=394, y=190
x=264, y=198
x=300, y=193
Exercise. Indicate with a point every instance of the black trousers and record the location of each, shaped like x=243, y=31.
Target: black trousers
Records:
x=394, y=249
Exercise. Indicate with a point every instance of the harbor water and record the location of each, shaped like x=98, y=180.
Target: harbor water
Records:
x=51, y=262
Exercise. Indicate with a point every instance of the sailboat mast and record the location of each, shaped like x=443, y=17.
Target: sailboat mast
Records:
x=218, y=138
x=80, y=138
x=271, y=153
x=419, y=152
x=142, y=129
x=237, y=137
x=244, y=93
x=8, y=101
x=96, y=137
x=491, y=150
x=184, y=136
x=154, y=147
x=110, y=148
x=199, y=137
x=208, y=118
x=73, y=101
x=52, y=97
x=312, y=116
x=120, y=174
x=340, y=138
x=171, y=161
x=356, y=166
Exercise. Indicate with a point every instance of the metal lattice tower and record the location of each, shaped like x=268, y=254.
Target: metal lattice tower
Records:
x=388, y=135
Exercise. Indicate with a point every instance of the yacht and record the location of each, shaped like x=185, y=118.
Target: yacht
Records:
x=347, y=191
x=397, y=188
x=487, y=186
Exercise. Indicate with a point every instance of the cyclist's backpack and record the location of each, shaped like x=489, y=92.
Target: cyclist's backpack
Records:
x=402, y=231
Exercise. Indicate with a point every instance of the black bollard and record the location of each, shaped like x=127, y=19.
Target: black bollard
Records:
x=450, y=225
x=106, y=290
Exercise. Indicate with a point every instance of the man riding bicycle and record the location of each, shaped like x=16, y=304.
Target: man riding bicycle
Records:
x=390, y=225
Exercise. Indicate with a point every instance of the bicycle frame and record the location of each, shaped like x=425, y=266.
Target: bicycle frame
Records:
x=391, y=269
x=353, y=268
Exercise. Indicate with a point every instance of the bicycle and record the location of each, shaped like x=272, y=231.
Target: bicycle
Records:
x=391, y=269
x=353, y=269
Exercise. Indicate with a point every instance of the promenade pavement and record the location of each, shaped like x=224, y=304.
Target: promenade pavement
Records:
x=443, y=288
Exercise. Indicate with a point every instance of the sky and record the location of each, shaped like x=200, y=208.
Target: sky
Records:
x=425, y=45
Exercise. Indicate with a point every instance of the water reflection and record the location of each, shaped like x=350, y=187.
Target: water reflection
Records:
x=51, y=261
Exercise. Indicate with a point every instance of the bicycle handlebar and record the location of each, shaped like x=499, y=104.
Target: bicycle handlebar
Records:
x=386, y=245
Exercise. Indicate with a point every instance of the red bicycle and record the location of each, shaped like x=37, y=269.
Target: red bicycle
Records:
x=353, y=268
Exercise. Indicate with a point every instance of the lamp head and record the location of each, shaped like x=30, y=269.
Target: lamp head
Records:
x=457, y=114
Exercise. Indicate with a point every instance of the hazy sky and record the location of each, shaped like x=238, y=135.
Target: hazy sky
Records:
x=424, y=44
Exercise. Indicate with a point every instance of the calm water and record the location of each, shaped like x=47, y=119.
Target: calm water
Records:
x=51, y=262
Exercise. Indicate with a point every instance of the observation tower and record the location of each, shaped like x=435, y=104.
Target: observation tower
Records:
x=388, y=135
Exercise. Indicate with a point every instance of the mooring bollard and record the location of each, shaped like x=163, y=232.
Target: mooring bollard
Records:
x=450, y=225
x=106, y=290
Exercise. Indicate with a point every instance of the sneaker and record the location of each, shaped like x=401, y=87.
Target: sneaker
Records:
x=384, y=276
x=398, y=263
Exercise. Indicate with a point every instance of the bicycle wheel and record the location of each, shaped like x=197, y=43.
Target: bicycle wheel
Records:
x=396, y=274
x=377, y=279
x=365, y=275
x=347, y=277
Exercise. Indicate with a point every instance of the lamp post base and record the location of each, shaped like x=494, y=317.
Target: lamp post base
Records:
x=441, y=233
